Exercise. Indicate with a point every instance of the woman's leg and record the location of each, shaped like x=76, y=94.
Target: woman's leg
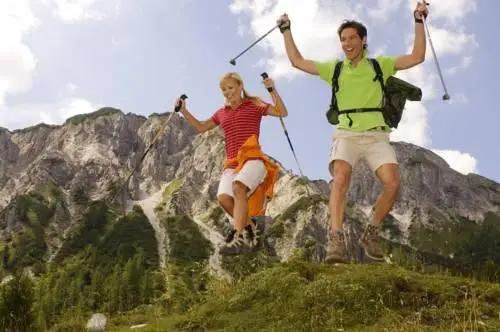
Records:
x=225, y=194
x=244, y=184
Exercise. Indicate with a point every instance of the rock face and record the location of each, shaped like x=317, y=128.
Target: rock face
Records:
x=85, y=158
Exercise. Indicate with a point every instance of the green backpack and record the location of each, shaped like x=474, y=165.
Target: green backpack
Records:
x=395, y=94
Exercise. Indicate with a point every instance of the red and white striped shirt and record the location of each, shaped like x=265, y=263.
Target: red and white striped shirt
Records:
x=239, y=124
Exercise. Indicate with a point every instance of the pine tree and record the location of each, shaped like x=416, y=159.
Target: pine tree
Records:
x=16, y=303
x=5, y=257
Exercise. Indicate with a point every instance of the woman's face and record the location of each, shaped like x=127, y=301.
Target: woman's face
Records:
x=231, y=89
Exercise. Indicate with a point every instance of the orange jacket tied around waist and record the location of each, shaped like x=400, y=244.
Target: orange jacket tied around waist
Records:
x=251, y=150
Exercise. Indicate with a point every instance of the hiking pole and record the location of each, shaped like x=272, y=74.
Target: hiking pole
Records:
x=264, y=76
x=156, y=138
x=446, y=96
x=233, y=60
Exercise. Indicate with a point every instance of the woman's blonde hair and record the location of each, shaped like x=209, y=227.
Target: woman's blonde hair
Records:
x=234, y=76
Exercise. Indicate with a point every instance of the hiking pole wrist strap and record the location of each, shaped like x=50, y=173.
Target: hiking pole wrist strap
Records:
x=284, y=28
x=418, y=20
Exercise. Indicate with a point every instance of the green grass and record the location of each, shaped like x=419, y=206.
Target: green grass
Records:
x=300, y=296
x=172, y=187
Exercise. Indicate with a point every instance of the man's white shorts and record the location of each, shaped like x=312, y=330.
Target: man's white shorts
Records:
x=373, y=146
x=251, y=175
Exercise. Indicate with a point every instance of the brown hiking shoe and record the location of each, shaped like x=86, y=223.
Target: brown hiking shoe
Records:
x=370, y=242
x=335, y=252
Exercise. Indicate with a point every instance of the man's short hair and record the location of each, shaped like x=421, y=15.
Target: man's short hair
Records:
x=358, y=26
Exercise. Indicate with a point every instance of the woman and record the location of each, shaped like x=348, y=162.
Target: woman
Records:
x=248, y=176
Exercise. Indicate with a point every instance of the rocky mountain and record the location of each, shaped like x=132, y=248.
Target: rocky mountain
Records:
x=53, y=176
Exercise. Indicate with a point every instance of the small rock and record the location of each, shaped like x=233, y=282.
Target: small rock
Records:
x=138, y=326
x=96, y=323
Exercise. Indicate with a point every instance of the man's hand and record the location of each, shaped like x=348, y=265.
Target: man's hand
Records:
x=421, y=10
x=283, y=22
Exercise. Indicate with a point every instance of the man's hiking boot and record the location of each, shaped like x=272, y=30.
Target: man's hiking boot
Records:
x=369, y=240
x=336, y=252
x=236, y=246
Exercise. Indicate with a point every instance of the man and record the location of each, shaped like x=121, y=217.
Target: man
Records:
x=363, y=135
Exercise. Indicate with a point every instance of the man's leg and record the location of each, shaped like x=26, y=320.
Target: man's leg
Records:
x=389, y=177
x=344, y=156
x=342, y=172
x=382, y=160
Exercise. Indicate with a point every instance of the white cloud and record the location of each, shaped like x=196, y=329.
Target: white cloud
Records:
x=17, y=62
x=465, y=62
x=413, y=127
x=384, y=9
x=78, y=10
x=71, y=87
x=450, y=10
x=461, y=162
x=25, y=115
x=449, y=42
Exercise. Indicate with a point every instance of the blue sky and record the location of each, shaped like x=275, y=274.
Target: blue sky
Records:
x=60, y=57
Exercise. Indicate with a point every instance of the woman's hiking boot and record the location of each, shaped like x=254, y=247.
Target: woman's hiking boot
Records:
x=370, y=241
x=336, y=252
x=236, y=244
x=252, y=233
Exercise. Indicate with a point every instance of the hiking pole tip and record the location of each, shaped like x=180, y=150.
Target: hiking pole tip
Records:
x=233, y=62
x=446, y=96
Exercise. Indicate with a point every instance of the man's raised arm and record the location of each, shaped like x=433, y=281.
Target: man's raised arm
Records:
x=292, y=52
x=417, y=55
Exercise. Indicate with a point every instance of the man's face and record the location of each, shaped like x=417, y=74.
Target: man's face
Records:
x=352, y=44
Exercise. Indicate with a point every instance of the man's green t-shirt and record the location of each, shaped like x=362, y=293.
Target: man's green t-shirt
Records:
x=358, y=90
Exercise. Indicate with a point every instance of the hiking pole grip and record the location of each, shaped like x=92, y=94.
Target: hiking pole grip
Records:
x=178, y=106
x=264, y=76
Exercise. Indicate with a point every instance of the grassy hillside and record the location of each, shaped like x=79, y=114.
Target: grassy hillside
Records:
x=299, y=296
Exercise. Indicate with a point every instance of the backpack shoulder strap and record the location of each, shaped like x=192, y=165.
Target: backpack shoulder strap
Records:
x=336, y=74
x=333, y=111
x=378, y=72
x=379, y=76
